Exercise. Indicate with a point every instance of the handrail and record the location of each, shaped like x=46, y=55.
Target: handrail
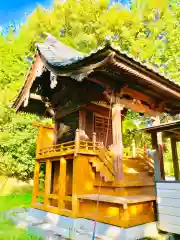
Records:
x=106, y=161
x=58, y=145
x=88, y=145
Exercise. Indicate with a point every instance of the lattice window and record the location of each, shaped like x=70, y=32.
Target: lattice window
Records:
x=102, y=128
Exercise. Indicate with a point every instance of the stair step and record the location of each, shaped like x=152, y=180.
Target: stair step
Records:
x=103, y=165
x=102, y=169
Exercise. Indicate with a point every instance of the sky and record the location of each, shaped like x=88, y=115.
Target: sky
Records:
x=14, y=10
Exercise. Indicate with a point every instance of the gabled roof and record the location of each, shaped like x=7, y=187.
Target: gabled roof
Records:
x=117, y=66
x=64, y=58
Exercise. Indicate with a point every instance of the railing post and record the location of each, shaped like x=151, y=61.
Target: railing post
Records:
x=94, y=141
x=77, y=141
x=133, y=148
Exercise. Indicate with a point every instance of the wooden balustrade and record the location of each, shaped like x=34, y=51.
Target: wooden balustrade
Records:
x=71, y=147
x=80, y=146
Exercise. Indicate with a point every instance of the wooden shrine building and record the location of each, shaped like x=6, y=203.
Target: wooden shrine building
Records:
x=86, y=174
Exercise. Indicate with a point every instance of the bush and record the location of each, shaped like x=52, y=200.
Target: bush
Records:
x=17, y=144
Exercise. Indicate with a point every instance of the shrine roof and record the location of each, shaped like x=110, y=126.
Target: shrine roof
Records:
x=107, y=66
x=63, y=59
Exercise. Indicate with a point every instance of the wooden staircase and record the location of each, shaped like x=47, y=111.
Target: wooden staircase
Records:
x=103, y=164
x=138, y=165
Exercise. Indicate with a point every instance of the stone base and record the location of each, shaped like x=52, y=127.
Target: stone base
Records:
x=54, y=226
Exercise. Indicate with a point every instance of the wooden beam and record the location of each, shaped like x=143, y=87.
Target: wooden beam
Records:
x=62, y=183
x=134, y=104
x=36, y=97
x=64, y=111
x=136, y=95
x=149, y=80
x=175, y=158
x=156, y=158
x=48, y=182
x=30, y=77
x=47, y=104
x=36, y=182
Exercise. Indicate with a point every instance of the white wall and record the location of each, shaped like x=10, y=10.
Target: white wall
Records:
x=168, y=198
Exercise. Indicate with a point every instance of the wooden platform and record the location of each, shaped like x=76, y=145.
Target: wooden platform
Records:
x=119, y=200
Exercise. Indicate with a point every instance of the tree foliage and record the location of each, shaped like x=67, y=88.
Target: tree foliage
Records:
x=149, y=31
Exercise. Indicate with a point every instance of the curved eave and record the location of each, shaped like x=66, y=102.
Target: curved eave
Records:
x=108, y=57
x=80, y=62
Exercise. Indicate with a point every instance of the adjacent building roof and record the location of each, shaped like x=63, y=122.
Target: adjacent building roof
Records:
x=170, y=129
x=163, y=127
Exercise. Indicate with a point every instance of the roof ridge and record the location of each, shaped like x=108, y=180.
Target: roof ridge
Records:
x=106, y=45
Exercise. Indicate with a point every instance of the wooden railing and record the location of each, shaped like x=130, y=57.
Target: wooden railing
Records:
x=57, y=150
x=85, y=147
x=105, y=156
x=71, y=147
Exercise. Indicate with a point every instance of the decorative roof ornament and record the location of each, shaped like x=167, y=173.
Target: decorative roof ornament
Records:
x=80, y=77
x=40, y=70
x=53, y=79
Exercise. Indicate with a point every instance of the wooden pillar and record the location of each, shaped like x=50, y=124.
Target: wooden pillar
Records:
x=36, y=181
x=82, y=124
x=48, y=182
x=117, y=141
x=62, y=182
x=175, y=158
x=156, y=157
x=160, y=146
